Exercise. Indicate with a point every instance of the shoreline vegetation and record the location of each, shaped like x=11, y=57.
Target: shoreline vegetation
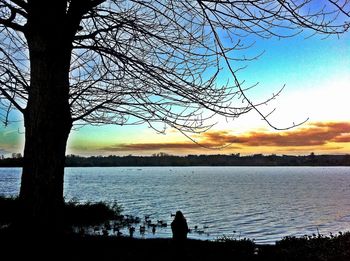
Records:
x=163, y=159
x=75, y=244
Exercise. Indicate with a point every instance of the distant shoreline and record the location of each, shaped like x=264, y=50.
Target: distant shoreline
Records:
x=164, y=160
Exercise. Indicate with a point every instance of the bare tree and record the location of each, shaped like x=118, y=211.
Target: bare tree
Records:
x=130, y=62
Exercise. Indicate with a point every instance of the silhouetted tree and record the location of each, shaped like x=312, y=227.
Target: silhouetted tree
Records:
x=130, y=62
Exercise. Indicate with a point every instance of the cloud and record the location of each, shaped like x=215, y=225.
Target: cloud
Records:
x=316, y=134
x=158, y=146
x=342, y=138
x=307, y=149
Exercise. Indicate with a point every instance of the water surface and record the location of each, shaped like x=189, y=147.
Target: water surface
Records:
x=262, y=203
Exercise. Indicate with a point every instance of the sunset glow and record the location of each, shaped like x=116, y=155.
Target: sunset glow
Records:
x=316, y=73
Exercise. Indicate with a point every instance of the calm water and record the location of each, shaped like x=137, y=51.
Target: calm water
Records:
x=262, y=203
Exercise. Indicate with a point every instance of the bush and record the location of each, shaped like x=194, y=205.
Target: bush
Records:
x=238, y=246
x=74, y=213
x=315, y=247
x=90, y=213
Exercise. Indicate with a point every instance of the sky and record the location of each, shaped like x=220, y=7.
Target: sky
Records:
x=316, y=75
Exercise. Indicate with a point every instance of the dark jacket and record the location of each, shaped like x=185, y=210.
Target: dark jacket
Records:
x=179, y=227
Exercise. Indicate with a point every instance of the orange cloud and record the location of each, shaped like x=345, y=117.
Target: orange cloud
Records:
x=315, y=134
x=342, y=138
x=158, y=146
x=307, y=149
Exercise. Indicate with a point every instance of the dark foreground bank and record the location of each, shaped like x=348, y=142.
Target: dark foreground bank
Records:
x=16, y=246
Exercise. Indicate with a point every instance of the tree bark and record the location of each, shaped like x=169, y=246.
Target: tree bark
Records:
x=47, y=122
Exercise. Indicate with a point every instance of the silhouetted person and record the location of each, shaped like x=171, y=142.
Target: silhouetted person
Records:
x=179, y=227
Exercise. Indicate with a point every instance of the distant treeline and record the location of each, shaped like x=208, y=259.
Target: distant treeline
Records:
x=197, y=160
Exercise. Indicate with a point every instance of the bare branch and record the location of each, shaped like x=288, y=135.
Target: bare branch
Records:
x=8, y=16
x=10, y=24
x=11, y=99
x=159, y=62
x=20, y=3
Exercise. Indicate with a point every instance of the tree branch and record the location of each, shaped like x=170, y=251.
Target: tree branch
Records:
x=12, y=100
x=12, y=25
x=20, y=3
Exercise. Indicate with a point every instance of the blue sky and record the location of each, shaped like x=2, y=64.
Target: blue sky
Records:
x=316, y=73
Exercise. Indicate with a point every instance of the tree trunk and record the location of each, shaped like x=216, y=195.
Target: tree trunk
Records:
x=47, y=123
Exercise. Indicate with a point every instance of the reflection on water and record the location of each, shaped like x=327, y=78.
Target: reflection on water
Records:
x=264, y=203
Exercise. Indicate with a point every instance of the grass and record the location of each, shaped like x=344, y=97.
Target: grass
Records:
x=77, y=247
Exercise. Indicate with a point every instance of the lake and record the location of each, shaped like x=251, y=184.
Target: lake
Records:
x=261, y=203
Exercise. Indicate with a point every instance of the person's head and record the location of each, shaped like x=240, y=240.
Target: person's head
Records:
x=179, y=215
